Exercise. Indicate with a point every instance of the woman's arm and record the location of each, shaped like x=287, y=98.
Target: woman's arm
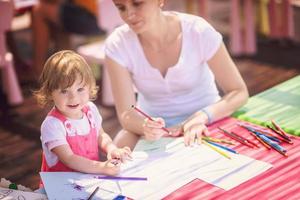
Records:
x=235, y=91
x=124, y=96
x=231, y=83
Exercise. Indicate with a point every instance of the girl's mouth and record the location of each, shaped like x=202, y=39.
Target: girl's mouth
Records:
x=73, y=106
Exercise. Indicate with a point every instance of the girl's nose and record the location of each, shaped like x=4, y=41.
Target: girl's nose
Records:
x=72, y=95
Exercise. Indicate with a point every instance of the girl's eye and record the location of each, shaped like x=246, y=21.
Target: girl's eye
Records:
x=63, y=91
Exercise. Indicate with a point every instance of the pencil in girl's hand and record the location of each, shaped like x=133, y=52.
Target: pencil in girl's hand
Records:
x=93, y=194
x=148, y=117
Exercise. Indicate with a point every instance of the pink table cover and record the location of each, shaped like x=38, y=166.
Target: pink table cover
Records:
x=280, y=182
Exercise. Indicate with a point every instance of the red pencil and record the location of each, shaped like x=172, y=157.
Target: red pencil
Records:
x=245, y=139
x=280, y=131
x=148, y=117
x=237, y=138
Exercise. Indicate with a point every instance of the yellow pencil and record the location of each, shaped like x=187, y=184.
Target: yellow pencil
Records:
x=217, y=140
x=216, y=149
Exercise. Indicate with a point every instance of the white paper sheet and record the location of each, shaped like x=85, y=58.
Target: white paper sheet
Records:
x=167, y=169
x=9, y=194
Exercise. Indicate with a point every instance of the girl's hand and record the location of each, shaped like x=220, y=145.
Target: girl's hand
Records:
x=194, y=128
x=111, y=167
x=121, y=154
x=153, y=129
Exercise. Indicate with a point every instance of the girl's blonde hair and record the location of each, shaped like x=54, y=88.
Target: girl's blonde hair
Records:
x=60, y=72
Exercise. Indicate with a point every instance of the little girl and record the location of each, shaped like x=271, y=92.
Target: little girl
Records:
x=71, y=133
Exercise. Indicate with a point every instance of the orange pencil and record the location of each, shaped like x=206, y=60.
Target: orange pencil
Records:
x=261, y=141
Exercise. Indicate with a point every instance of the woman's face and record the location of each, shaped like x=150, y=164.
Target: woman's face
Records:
x=140, y=15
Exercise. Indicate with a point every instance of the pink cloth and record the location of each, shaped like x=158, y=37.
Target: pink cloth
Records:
x=280, y=182
x=82, y=145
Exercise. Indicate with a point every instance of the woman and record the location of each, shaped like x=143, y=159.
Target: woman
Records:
x=174, y=60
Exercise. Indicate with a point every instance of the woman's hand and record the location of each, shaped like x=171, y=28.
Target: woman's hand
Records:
x=153, y=129
x=121, y=154
x=194, y=127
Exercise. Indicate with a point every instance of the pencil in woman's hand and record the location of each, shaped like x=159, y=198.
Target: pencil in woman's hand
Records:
x=148, y=117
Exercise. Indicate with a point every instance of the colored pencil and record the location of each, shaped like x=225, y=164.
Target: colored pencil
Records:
x=148, y=117
x=235, y=137
x=260, y=140
x=217, y=140
x=285, y=138
x=93, y=194
x=122, y=178
x=259, y=131
x=280, y=129
x=274, y=145
x=222, y=147
x=245, y=139
x=217, y=150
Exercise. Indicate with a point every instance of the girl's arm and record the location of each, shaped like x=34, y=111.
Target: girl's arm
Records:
x=105, y=142
x=124, y=96
x=113, y=152
x=82, y=164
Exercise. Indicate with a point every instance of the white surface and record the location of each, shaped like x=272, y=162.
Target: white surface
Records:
x=167, y=169
x=9, y=194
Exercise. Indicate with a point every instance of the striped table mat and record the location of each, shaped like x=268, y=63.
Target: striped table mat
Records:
x=281, y=103
x=280, y=182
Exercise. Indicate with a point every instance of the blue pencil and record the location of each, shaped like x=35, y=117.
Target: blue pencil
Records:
x=222, y=147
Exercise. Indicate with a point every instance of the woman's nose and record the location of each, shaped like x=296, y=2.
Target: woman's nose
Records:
x=131, y=13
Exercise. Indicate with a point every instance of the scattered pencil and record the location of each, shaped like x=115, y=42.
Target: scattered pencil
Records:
x=280, y=132
x=223, y=147
x=216, y=149
x=260, y=140
x=217, y=140
x=233, y=136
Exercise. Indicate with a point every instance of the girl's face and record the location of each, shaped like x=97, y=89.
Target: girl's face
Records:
x=139, y=14
x=70, y=101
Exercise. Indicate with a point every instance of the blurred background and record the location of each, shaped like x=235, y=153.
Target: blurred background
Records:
x=263, y=37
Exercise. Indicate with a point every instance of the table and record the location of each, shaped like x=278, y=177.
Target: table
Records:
x=281, y=103
x=280, y=182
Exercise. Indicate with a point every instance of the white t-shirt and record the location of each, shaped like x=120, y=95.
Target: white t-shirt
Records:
x=53, y=132
x=188, y=86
